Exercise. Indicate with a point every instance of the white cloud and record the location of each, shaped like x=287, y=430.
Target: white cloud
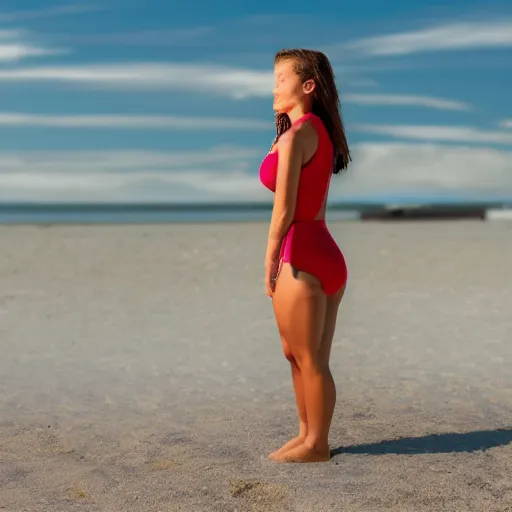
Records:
x=49, y=12
x=445, y=37
x=124, y=161
x=218, y=174
x=426, y=169
x=132, y=122
x=506, y=123
x=223, y=80
x=437, y=133
x=406, y=100
x=15, y=45
x=15, y=52
x=230, y=174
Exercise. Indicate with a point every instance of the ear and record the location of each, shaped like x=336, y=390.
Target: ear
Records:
x=309, y=86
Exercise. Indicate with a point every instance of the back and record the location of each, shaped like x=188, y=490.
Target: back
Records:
x=315, y=175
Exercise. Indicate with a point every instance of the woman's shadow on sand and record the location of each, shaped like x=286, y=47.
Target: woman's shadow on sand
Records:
x=434, y=443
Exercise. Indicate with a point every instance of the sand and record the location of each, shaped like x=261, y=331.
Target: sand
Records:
x=141, y=370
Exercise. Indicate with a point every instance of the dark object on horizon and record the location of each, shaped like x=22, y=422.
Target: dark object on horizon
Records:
x=425, y=213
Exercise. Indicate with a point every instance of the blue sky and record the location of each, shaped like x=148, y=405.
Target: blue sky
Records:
x=152, y=101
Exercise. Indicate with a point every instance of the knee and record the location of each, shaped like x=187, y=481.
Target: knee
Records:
x=289, y=355
x=310, y=363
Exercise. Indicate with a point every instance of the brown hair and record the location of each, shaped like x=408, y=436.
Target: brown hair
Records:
x=312, y=64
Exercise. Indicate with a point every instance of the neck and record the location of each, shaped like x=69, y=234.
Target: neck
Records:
x=297, y=113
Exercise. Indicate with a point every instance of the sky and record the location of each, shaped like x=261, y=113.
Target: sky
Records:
x=142, y=101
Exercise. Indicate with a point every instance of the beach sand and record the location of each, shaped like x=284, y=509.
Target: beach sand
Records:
x=141, y=370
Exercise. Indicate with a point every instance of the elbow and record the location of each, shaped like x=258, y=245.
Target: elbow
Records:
x=282, y=223
x=285, y=214
x=287, y=218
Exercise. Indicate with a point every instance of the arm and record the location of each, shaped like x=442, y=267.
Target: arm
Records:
x=291, y=149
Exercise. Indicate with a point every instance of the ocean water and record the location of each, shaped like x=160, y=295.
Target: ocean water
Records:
x=142, y=214
x=152, y=213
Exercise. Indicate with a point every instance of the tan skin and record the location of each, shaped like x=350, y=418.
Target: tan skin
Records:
x=305, y=315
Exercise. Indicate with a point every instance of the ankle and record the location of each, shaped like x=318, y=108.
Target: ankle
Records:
x=316, y=444
x=303, y=431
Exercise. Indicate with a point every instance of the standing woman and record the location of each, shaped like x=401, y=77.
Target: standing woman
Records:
x=305, y=271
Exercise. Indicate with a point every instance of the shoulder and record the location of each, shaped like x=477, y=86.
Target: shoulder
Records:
x=298, y=137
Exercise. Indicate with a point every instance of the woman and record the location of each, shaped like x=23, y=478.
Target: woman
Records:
x=305, y=271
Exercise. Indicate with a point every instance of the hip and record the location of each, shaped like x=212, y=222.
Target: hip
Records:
x=312, y=238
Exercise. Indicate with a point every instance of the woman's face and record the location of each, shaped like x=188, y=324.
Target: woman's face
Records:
x=289, y=90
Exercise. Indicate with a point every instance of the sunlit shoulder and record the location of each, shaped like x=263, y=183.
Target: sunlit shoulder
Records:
x=302, y=139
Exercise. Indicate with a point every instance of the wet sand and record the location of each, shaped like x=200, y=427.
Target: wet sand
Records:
x=141, y=370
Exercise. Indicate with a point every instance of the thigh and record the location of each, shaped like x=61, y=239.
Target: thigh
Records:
x=331, y=315
x=300, y=310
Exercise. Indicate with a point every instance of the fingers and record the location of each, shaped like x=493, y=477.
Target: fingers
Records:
x=270, y=292
x=271, y=278
x=270, y=286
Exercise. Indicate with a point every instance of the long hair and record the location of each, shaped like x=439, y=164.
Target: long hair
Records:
x=311, y=64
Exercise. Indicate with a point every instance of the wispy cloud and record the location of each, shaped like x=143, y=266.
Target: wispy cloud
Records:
x=238, y=83
x=437, y=133
x=506, y=123
x=406, y=100
x=222, y=80
x=16, y=45
x=9, y=34
x=140, y=38
x=227, y=174
x=131, y=122
x=215, y=158
x=403, y=169
x=15, y=52
x=48, y=12
x=216, y=174
x=444, y=37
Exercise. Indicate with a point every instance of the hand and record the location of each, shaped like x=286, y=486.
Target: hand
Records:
x=271, y=269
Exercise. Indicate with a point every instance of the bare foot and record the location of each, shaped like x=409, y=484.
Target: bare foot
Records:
x=293, y=443
x=305, y=453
